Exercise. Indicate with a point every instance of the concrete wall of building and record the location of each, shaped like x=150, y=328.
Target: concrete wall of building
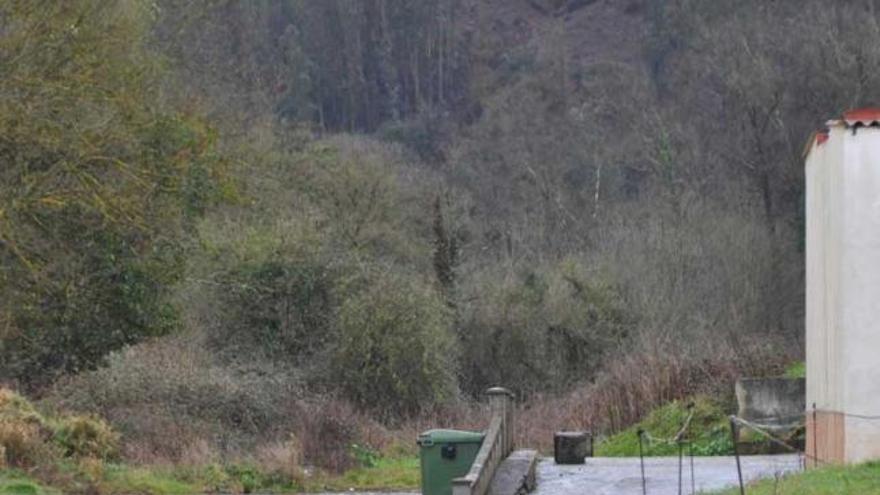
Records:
x=860, y=304
x=843, y=291
x=824, y=215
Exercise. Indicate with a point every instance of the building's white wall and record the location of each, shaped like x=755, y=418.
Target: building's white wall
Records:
x=843, y=283
x=817, y=382
x=860, y=292
x=824, y=218
x=862, y=440
x=834, y=218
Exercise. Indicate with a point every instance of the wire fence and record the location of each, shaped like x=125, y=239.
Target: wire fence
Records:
x=736, y=424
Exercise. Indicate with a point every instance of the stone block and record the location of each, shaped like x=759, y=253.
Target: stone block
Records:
x=571, y=447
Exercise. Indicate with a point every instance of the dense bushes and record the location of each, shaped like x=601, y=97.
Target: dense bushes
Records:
x=540, y=328
x=172, y=403
x=278, y=309
x=168, y=397
x=85, y=436
x=323, y=280
x=96, y=187
x=395, y=351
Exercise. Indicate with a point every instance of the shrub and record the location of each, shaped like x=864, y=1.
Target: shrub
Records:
x=24, y=444
x=23, y=432
x=87, y=436
x=328, y=432
x=283, y=459
x=276, y=309
x=541, y=328
x=15, y=407
x=359, y=189
x=395, y=352
x=169, y=397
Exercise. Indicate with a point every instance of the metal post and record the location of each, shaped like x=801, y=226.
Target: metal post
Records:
x=679, y=466
x=641, y=434
x=815, y=438
x=739, y=473
x=592, y=445
x=693, y=477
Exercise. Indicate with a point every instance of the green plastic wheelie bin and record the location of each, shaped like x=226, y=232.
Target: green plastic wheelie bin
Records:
x=446, y=455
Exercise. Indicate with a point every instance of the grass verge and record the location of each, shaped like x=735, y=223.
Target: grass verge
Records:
x=392, y=473
x=124, y=479
x=401, y=473
x=861, y=480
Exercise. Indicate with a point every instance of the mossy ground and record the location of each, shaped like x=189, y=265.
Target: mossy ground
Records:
x=709, y=430
x=861, y=480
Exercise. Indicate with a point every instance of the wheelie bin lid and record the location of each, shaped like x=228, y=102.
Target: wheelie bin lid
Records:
x=430, y=437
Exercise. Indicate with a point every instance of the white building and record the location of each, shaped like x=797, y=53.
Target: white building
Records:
x=843, y=289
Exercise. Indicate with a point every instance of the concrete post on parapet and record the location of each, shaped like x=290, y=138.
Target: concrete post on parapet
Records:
x=497, y=447
x=501, y=404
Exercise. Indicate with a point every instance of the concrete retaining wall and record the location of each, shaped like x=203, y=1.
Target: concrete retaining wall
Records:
x=781, y=400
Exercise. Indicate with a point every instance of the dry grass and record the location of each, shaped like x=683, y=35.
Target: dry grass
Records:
x=24, y=433
x=23, y=443
x=282, y=458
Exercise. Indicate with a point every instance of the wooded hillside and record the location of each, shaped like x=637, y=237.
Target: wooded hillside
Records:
x=217, y=216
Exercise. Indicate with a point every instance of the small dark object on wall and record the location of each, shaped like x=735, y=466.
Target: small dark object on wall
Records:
x=572, y=447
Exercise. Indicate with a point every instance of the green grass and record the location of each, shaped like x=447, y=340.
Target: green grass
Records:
x=854, y=480
x=122, y=479
x=400, y=473
x=709, y=430
x=212, y=478
x=384, y=473
x=113, y=479
x=13, y=483
x=797, y=369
